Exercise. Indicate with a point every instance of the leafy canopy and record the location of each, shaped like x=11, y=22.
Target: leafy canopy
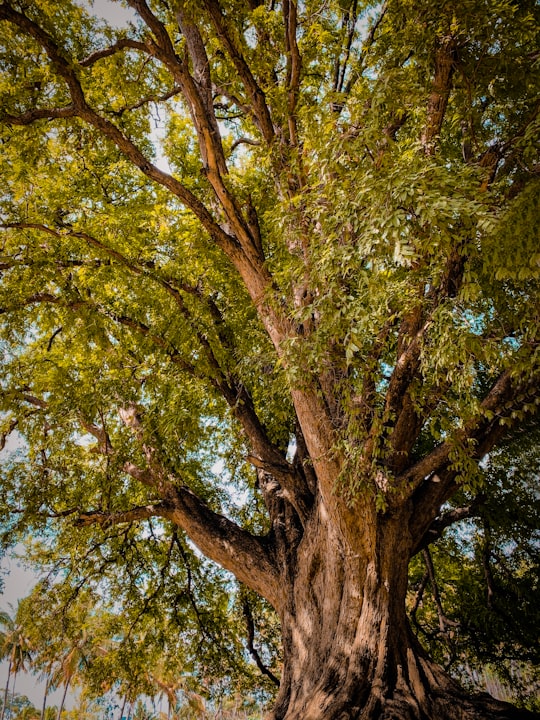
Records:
x=381, y=161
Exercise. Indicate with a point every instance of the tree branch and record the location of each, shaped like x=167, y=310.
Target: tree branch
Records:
x=243, y=141
x=447, y=519
x=66, y=70
x=250, y=625
x=119, y=45
x=348, y=24
x=431, y=481
x=480, y=429
x=257, y=107
x=4, y=435
x=264, y=453
x=31, y=116
x=445, y=57
x=339, y=76
x=149, y=99
x=294, y=65
x=443, y=620
x=106, y=519
x=248, y=557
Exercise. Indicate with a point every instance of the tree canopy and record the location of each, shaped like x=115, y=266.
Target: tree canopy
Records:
x=269, y=298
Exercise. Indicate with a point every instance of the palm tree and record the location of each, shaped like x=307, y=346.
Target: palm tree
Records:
x=70, y=667
x=14, y=646
x=48, y=681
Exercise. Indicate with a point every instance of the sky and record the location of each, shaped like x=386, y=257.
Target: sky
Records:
x=111, y=10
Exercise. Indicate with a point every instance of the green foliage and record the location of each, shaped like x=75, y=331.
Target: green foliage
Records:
x=115, y=300
x=480, y=609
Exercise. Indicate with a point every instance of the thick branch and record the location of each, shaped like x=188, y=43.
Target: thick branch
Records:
x=294, y=65
x=446, y=520
x=199, y=94
x=248, y=557
x=445, y=56
x=31, y=116
x=121, y=44
x=250, y=625
x=257, y=107
x=106, y=519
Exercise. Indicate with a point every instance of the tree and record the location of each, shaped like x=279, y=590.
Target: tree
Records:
x=270, y=284
x=464, y=589
x=15, y=647
x=22, y=709
x=68, y=638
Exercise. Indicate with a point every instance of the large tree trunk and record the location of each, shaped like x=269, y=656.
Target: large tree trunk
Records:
x=349, y=652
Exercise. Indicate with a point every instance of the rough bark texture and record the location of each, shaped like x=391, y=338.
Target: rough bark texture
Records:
x=349, y=653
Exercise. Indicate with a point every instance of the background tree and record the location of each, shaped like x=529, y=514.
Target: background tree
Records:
x=280, y=331
x=15, y=647
x=464, y=588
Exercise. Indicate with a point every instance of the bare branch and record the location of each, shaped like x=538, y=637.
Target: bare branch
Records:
x=106, y=519
x=150, y=99
x=443, y=620
x=101, y=435
x=243, y=141
x=348, y=25
x=341, y=71
x=119, y=45
x=31, y=116
x=251, y=645
x=419, y=595
x=142, y=475
x=33, y=400
x=446, y=520
x=486, y=564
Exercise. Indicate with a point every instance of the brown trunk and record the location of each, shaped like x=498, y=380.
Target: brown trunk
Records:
x=349, y=653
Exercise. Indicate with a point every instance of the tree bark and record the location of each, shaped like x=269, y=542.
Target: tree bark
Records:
x=64, y=695
x=6, y=690
x=121, y=717
x=45, y=695
x=349, y=653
